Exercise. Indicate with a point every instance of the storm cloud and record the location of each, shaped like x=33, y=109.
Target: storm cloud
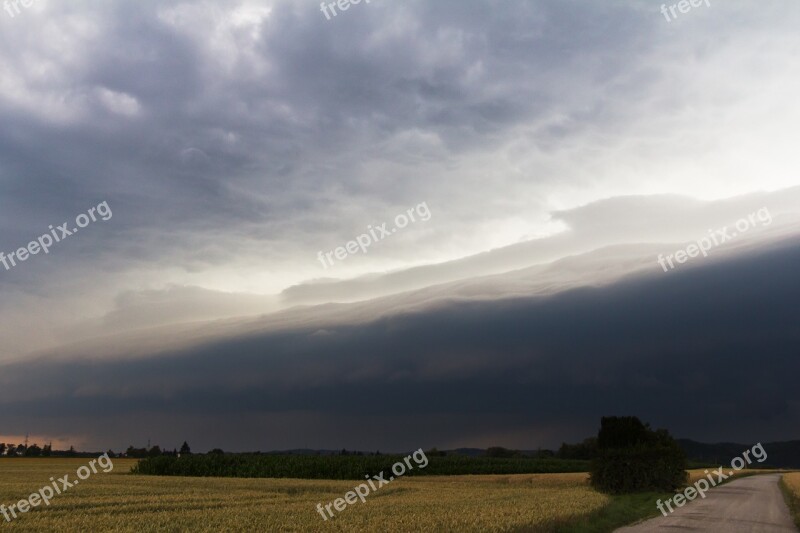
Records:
x=561, y=146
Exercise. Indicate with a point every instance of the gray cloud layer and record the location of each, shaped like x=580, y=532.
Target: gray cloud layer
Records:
x=707, y=351
x=233, y=141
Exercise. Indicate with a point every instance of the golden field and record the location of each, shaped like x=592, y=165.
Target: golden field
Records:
x=121, y=502
x=699, y=473
x=792, y=481
x=791, y=484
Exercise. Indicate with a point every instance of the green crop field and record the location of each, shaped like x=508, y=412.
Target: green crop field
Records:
x=346, y=467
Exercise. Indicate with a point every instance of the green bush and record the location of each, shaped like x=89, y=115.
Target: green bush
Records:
x=624, y=471
x=633, y=458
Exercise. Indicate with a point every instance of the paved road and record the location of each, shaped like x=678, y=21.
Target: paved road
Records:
x=751, y=504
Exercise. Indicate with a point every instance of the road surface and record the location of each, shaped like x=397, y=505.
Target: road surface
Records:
x=751, y=504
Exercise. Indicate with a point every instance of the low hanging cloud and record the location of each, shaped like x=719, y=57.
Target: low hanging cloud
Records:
x=696, y=350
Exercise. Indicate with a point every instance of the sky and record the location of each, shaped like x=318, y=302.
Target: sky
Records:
x=533, y=165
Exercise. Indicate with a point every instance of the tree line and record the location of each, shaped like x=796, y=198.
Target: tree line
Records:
x=34, y=450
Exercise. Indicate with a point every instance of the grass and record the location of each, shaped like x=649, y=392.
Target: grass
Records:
x=620, y=511
x=790, y=485
x=631, y=508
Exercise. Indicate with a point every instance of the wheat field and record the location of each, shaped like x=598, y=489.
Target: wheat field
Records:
x=118, y=501
x=792, y=484
x=121, y=502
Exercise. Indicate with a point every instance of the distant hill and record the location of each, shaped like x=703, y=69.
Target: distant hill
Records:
x=468, y=452
x=779, y=454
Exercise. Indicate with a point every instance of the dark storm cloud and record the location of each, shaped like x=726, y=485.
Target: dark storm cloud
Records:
x=184, y=119
x=234, y=140
x=318, y=94
x=248, y=135
x=708, y=352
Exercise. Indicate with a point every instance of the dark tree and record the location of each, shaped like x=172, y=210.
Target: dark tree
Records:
x=33, y=451
x=136, y=453
x=185, y=449
x=500, y=452
x=585, y=450
x=633, y=458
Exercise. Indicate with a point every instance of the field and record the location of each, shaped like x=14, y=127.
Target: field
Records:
x=119, y=501
x=790, y=483
x=347, y=466
x=700, y=473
